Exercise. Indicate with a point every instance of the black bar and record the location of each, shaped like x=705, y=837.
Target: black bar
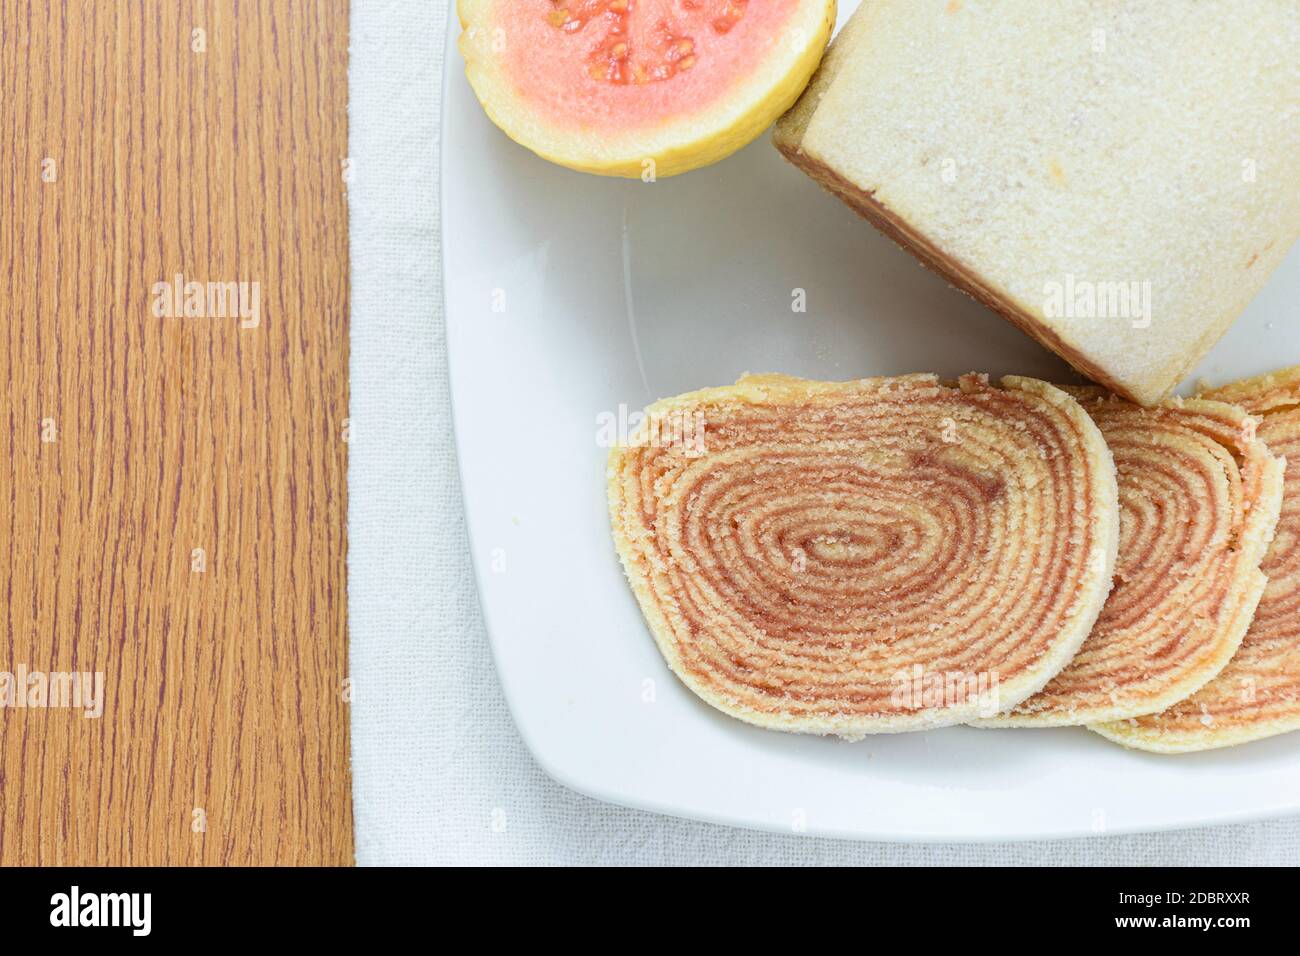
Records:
x=211, y=906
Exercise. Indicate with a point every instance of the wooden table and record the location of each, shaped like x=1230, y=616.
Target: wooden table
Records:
x=173, y=487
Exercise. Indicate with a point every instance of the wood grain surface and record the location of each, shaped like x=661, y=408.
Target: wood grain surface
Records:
x=172, y=489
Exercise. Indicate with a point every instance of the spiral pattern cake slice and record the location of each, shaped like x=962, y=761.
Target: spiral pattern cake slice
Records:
x=1199, y=495
x=874, y=556
x=1258, y=693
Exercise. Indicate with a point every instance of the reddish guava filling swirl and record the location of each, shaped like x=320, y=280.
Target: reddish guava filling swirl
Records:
x=819, y=547
x=1261, y=684
x=1181, y=575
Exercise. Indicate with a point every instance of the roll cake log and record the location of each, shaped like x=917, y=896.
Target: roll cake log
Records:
x=1199, y=495
x=1117, y=179
x=874, y=556
x=1257, y=694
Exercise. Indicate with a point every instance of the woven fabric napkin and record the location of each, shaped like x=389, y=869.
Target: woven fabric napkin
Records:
x=440, y=775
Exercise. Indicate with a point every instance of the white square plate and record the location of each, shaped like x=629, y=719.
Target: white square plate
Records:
x=570, y=295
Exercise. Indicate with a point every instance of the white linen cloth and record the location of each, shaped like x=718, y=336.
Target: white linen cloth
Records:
x=440, y=775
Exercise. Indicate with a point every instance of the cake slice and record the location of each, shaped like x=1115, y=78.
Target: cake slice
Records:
x=1118, y=179
x=1258, y=694
x=1199, y=495
x=864, y=557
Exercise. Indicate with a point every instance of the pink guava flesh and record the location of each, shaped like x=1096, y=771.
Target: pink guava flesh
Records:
x=617, y=65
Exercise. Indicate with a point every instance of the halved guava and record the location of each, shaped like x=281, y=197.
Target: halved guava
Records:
x=640, y=87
